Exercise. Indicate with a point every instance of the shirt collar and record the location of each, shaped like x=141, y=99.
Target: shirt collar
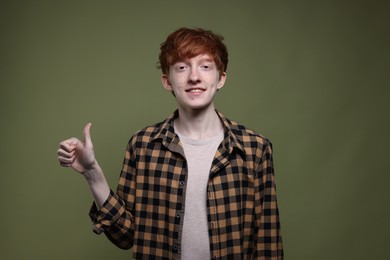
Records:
x=169, y=138
x=231, y=139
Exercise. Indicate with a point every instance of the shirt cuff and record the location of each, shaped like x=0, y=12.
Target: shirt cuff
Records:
x=113, y=208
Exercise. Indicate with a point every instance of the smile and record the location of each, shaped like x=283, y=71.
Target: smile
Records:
x=195, y=90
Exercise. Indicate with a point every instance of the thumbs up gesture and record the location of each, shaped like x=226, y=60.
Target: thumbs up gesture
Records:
x=78, y=155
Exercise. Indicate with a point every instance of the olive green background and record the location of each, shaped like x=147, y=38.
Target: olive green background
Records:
x=313, y=76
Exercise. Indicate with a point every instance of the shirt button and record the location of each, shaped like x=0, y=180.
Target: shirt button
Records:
x=174, y=248
x=178, y=215
x=181, y=183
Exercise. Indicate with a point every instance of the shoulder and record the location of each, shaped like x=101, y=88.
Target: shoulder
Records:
x=159, y=133
x=246, y=136
x=145, y=135
x=256, y=147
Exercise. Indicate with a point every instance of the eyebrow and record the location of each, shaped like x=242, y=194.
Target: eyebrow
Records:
x=201, y=60
x=207, y=59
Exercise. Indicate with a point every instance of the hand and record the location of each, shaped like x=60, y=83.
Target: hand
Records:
x=78, y=155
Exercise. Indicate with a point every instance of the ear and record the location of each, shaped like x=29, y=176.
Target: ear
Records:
x=166, y=83
x=222, y=80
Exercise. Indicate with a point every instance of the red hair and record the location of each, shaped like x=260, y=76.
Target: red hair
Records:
x=187, y=43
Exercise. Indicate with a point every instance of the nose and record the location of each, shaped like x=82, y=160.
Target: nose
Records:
x=194, y=77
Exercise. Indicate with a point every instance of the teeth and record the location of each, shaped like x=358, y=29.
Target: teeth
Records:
x=195, y=90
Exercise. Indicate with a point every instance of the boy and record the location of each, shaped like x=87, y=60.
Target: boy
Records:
x=195, y=186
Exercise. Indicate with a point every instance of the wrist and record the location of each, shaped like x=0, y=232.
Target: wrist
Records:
x=94, y=174
x=97, y=184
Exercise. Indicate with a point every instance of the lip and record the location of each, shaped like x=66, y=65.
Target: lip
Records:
x=195, y=90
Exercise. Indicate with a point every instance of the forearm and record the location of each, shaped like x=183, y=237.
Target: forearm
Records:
x=97, y=184
x=114, y=220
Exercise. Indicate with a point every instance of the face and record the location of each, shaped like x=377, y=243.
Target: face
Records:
x=194, y=82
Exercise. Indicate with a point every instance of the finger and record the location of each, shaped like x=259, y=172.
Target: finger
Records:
x=87, y=135
x=66, y=160
x=69, y=145
x=63, y=153
x=65, y=164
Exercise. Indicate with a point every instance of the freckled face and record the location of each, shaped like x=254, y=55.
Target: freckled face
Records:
x=194, y=82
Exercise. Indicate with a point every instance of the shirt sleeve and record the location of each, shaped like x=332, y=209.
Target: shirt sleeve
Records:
x=115, y=219
x=269, y=239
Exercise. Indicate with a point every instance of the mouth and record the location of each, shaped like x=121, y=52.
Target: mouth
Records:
x=195, y=90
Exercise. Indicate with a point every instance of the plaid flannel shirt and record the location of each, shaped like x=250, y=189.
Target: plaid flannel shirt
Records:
x=146, y=213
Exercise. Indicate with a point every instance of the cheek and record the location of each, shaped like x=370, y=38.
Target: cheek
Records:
x=178, y=81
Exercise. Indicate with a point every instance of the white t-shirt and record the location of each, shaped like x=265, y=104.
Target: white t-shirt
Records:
x=195, y=242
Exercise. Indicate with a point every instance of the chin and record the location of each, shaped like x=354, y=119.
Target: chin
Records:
x=199, y=106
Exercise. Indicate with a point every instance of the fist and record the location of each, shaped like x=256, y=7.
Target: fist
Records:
x=77, y=154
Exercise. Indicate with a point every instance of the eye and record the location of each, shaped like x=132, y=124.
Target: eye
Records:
x=206, y=67
x=181, y=67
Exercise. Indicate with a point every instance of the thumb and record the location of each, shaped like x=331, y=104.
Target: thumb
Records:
x=87, y=135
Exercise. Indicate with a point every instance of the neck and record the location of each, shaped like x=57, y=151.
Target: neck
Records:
x=198, y=124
